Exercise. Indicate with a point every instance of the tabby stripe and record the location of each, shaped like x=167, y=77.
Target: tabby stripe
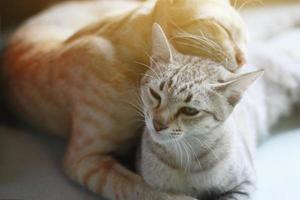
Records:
x=93, y=105
x=92, y=154
x=95, y=123
x=161, y=157
x=188, y=98
x=161, y=86
x=100, y=135
x=38, y=81
x=104, y=167
x=182, y=89
x=191, y=85
x=170, y=83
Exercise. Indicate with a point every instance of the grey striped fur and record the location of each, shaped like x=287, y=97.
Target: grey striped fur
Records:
x=211, y=154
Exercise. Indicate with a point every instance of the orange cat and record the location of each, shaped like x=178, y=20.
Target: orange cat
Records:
x=74, y=70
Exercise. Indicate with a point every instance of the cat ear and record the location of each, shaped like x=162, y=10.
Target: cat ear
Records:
x=161, y=49
x=234, y=89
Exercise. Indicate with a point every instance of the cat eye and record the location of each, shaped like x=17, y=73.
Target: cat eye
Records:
x=155, y=95
x=189, y=111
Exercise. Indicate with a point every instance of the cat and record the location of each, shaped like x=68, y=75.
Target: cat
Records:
x=203, y=122
x=193, y=142
x=73, y=70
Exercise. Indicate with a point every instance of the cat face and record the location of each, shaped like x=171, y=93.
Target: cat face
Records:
x=185, y=95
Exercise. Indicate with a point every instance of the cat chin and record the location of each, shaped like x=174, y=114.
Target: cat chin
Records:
x=162, y=138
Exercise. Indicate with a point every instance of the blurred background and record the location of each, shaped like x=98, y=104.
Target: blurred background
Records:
x=30, y=163
x=15, y=11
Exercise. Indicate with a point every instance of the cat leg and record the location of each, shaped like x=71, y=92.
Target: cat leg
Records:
x=88, y=161
x=101, y=173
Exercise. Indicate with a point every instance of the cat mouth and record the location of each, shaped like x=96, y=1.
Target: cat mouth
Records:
x=164, y=138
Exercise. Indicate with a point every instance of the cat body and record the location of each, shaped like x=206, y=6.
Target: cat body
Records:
x=74, y=70
x=210, y=167
x=203, y=123
x=51, y=42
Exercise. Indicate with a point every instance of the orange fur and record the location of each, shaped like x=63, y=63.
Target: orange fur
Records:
x=73, y=71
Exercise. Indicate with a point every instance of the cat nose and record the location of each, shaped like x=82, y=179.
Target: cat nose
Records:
x=158, y=126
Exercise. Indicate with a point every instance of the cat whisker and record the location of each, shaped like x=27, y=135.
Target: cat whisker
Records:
x=147, y=75
x=247, y=2
x=203, y=143
x=150, y=68
x=200, y=40
x=136, y=108
x=214, y=54
x=174, y=145
x=139, y=120
x=179, y=148
x=181, y=154
x=235, y=4
x=213, y=45
x=154, y=61
x=143, y=45
x=187, y=156
x=184, y=34
x=138, y=96
x=197, y=47
x=196, y=157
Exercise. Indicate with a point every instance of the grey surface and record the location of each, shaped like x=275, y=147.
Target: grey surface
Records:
x=30, y=168
x=278, y=167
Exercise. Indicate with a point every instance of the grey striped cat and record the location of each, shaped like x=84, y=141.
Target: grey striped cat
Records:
x=202, y=124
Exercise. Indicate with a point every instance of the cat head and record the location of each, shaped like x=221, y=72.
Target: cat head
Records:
x=187, y=95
